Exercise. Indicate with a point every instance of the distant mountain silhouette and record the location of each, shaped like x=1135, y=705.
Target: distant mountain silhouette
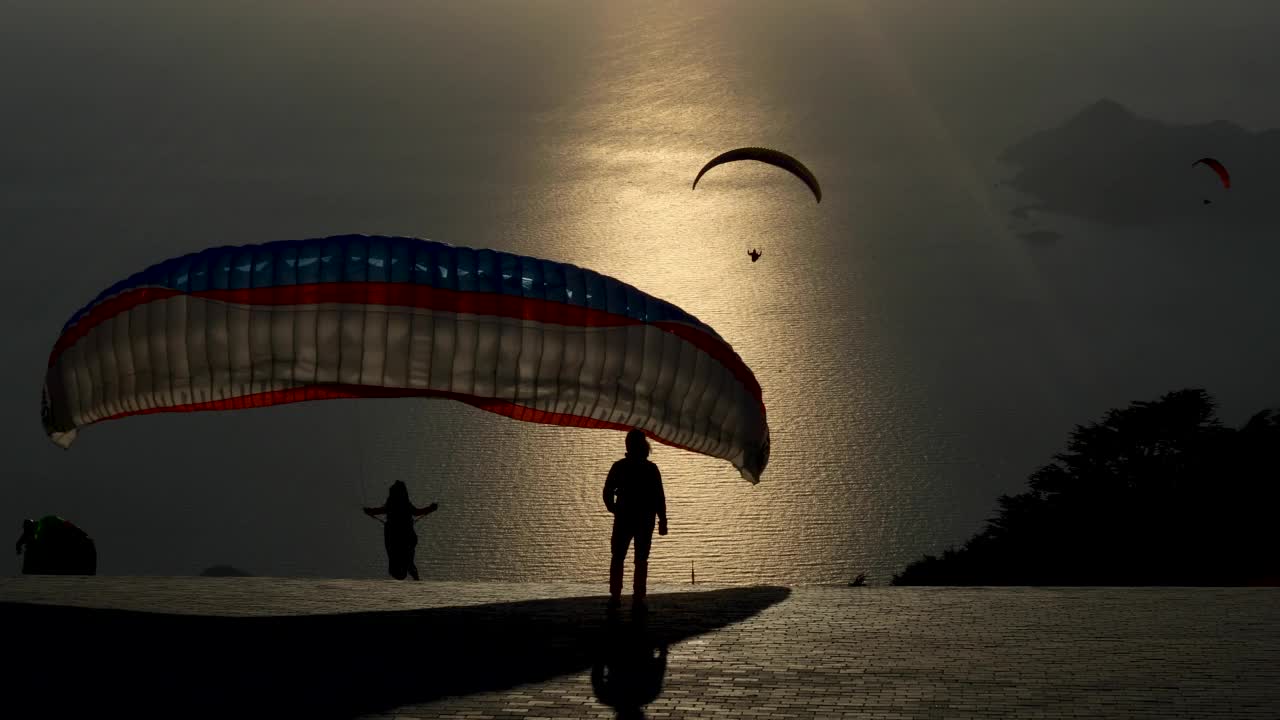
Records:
x=1107, y=164
x=1042, y=237
x=1159, y=493
x=224, y=571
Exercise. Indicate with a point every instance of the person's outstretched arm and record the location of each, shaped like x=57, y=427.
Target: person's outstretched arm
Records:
x=419, y=512
x=380, y=510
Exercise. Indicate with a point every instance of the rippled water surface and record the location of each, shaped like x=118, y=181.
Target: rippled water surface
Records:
x=918, y=358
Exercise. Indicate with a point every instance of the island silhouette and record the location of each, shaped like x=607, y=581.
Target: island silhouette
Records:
x=1158, y=493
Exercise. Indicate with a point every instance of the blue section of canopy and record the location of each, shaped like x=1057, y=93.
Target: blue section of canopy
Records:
x=372, y=258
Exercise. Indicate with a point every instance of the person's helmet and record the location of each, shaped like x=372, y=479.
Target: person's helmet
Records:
x=637, y=443
x=28, y=526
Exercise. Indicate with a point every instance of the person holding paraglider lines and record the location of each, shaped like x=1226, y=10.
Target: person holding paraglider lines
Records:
x=397, y=530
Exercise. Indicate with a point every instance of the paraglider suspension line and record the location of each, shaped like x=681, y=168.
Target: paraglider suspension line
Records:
x=364, y=492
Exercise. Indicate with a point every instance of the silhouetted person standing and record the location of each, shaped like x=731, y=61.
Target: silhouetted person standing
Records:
x=27, y=541
x=397, y=532
x=633, y=493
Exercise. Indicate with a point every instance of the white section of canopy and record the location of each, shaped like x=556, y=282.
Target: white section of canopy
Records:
x=186, y=350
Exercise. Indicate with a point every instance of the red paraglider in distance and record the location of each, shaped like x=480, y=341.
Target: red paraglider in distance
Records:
x=1218, y=168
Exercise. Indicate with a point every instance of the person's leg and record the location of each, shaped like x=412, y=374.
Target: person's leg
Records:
x=618, y=543
x=395, y=555
x=644, y=540
x=413, y=563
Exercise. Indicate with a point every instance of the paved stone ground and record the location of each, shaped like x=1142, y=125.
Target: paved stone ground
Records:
x=248, y=647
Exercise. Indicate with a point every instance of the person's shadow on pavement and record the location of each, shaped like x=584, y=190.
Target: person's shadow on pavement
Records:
x=629, y=668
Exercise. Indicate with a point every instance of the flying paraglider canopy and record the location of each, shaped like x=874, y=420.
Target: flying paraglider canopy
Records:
x=1218, y=168
x=357, y=316
x=770, y=157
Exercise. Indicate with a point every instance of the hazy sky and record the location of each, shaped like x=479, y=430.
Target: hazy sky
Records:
x=135, y=131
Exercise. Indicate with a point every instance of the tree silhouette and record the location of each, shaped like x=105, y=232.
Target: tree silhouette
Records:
x=1159, y=493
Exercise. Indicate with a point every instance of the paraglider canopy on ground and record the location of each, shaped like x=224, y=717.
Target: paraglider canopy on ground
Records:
x=54, y=546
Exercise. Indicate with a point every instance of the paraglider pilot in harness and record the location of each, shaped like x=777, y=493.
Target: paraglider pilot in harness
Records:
x=397, y=532
x=633, y=493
